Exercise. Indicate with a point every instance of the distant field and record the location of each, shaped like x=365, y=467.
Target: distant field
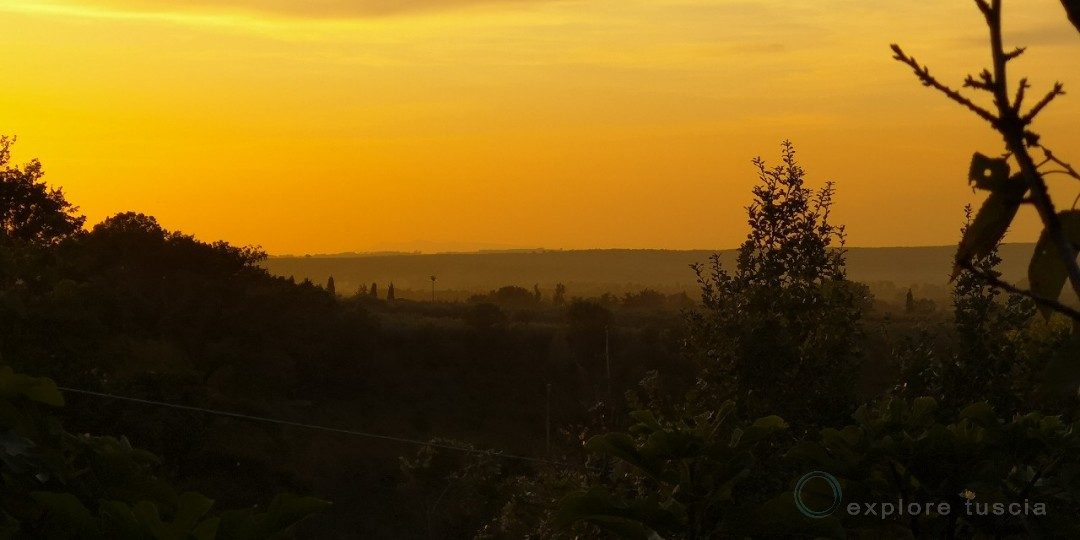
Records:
x=614, y=270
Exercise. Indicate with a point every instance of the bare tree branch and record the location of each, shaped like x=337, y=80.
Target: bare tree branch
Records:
x=1017, y=140
x=1051, y=158
x=984, y=83
x=1059, y=90
x=923, y=73
x=1015, y=53
x=1021, y=91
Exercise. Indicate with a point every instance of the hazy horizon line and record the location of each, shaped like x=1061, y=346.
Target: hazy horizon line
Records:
x=524, y=250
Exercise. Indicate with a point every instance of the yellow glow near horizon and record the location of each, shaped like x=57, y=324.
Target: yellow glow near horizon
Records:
x=315, y=127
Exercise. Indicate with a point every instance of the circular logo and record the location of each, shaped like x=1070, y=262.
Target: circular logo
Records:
x=834, y=485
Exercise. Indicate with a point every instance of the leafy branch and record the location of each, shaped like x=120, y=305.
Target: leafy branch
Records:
x=1055, y=261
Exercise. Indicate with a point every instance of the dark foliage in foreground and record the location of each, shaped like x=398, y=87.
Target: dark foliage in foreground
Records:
x=703, y=470
x=61, y=485
x=785, y=367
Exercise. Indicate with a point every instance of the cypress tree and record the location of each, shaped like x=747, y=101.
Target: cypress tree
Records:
x=560, y=294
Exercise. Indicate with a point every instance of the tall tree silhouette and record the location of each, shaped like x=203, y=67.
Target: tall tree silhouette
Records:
x=779, y=333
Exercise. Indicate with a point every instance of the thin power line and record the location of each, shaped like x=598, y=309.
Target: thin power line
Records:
x=492, y=453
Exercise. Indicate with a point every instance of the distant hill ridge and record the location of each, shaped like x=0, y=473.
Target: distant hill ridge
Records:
x=614, y=269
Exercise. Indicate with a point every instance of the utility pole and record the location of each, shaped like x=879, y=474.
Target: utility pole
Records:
x=433, y=278
x=547, y=423
x=607, y=370
x=607, y=354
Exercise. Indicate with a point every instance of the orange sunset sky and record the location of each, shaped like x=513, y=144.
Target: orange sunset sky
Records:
x=330, y=126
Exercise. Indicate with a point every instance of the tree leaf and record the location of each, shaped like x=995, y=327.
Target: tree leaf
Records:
x=39, y=389
x=207, y=530
x=1047, y=273
x=1061, y=378
x=988, y=173
x=284, y=511
x=582, y=505
x=923, y=407
x=149, y=517
x=760, y=429
x=43, y=390
x=980, y=413
x=669, y=445
x=69, y=510
x=992, y=221
x=647, y=421
x=636, y=519
x=118, y=521
x=190, y=508
x=619, y=445
x=623, y=528
x=1072, y=9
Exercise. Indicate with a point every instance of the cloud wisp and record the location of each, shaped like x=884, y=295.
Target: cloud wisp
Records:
x=308, y=9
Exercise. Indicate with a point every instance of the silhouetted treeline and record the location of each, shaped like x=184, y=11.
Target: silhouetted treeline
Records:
x=132, y=309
